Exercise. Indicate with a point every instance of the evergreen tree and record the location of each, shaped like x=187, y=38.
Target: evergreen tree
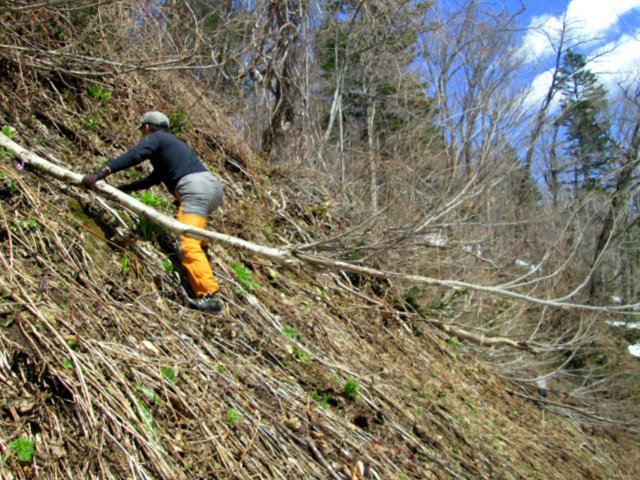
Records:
x=584, y=100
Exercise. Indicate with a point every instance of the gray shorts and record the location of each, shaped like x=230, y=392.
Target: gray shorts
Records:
x=200, y=193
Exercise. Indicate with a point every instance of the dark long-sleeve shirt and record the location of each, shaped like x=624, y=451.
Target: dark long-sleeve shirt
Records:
x=171, y=160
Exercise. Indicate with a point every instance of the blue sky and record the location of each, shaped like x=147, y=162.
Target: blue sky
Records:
x=608, y=31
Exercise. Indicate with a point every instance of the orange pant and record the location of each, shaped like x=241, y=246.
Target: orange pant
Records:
x=194, y=261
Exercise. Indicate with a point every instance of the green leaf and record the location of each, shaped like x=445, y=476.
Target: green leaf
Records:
x=147, y=420
x=323, y=401
x=301, y=356
x=243, y=275
x=150, y=394
x=32, y=223
x=290, y=332
x=124, y=264
x=8, y=131
x=6, y=154
x=151, y=199
x=98, y=93
x=351, y=388
x=323, y=292
x=168, y=267
x=169, y=373
x=148, y=229
x=232, y=416
x=23, y=448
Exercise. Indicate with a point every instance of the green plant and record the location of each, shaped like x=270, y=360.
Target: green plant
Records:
x=496, y=444
x=411, y=301
x=6, y=154
x=150, y=394
x=469, y=403
x=243, y=275
x=290, y=332
x=98, y=93
x=452, y=342
x=89, y=122
x=273, y=276
x=31, y=224
x=150, y=198
x=168, y=267
x=323, y=292
x=301, y=356
x=178, y=122
x=268, y=232
x=8, y=131
x=232, y=417
x=147, y=420
x=23, y=449
x=149, y=230
x=324, y=401
x=425, y=395
x=463, y=421
x=169, y=373
x=124, y=264
x=350, y=388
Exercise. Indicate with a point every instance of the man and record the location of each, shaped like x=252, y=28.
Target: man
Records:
x=198, y=193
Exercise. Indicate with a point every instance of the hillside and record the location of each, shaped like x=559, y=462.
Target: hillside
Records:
x=307, y=373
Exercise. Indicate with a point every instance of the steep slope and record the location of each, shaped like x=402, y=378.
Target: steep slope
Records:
x=306, y=374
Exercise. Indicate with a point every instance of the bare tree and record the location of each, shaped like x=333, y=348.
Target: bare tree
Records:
x=621, y=216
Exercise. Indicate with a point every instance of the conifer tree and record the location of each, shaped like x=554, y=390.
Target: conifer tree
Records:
x=584, y=100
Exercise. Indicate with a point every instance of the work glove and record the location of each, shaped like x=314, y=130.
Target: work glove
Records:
x=89, y=181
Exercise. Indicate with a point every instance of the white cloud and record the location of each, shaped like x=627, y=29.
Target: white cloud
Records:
x=591, y=20
x=539, y=89
x=594, y=17
x=541, y=36
x=617, y=61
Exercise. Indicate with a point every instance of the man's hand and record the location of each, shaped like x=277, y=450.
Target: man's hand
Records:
x=90, y=180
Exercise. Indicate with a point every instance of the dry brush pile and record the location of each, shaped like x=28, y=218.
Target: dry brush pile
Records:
x=307, y=373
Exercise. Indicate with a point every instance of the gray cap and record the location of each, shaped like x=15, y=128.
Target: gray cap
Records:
x=157, y=119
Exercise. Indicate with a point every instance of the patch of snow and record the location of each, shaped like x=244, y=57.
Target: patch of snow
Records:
x=477, y=250
x=525, y=264
x=436, y=240
x=633, y=325
x=616, y=299
x=634, y=350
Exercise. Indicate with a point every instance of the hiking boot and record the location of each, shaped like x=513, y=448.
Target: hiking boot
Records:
x=208, y=303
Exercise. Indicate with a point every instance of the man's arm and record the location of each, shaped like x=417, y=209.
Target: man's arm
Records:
x=143, y=183
x=142, y=151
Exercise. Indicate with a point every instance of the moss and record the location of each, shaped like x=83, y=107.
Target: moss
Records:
x=93, y=241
